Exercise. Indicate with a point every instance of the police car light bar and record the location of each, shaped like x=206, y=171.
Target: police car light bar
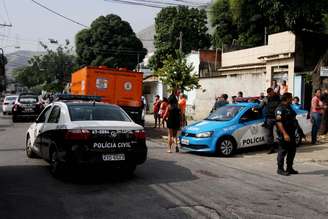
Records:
x=77, y=97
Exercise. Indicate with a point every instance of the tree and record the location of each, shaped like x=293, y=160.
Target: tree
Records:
x=221, y=19
x=247, y=19
x=50, y=71
x=176, y=74
x=109, y=41
x=296, y=15
x=172, y=21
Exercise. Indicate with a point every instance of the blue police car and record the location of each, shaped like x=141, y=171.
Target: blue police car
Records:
x=231, y=127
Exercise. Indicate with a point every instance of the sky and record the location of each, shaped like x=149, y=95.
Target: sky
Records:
x=32, y=23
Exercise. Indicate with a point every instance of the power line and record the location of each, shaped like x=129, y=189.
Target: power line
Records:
x=56, y=13
x=158, y=4
x=136, y=3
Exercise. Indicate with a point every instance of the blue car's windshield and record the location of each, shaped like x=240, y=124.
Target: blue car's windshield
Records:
x=224, y=113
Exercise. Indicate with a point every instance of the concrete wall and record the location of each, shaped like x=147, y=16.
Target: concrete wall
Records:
x=155, y=88
x=194, y=59
x=278, y=43
x=252, y=84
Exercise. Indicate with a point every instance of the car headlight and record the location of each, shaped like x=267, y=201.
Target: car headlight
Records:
x=204, y=135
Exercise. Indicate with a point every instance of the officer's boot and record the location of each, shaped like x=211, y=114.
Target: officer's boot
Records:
x=282, y=172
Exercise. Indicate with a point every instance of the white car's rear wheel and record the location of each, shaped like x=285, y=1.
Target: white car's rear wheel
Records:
x=56, y=166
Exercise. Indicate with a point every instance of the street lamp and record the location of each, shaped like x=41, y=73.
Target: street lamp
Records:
x=2, y=72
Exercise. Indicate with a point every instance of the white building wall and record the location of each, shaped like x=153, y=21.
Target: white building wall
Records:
x=194, y=59
x=278, y=43
x=251, y=84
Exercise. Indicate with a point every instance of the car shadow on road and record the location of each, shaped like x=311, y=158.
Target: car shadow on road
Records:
x=155, y=133
x=154, y=171
x=31, y=191
x=239, y=153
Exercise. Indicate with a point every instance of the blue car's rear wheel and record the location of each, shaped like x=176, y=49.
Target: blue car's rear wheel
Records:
x=226, y=147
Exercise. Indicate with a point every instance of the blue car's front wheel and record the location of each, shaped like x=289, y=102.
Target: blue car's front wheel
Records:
x=226, y=146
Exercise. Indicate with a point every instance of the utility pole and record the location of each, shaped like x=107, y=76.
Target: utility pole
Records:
x=2, y=72
x=265, y=35
x=138, y=65
x=180, y=39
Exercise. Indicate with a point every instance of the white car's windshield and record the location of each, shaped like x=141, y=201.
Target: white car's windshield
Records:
x=225, y=113
x=11, y=98
x=84, y=112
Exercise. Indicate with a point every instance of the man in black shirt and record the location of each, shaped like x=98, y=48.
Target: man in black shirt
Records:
x=268, y=106
x=286, y=128
x=221, y=101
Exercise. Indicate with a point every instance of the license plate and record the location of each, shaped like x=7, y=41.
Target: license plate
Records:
x=28, y=110
x=185, y=141
x=113, y=157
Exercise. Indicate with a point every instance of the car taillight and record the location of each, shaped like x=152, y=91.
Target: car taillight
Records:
x=39, y=105
x=77, y=134
x=139, y=134
x=16, y=106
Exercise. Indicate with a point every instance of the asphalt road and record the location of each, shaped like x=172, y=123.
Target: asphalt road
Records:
x=178, y=185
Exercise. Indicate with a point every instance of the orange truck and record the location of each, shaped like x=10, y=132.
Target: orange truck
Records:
x=118, y=86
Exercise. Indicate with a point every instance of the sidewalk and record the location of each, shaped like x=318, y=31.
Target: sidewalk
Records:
x=314, y=153
x=306, y=153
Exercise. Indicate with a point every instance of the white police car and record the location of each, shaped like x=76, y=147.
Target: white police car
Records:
x=231, y=127
x=77, y=132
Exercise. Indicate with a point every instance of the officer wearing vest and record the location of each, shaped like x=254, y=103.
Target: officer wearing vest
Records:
x=269, y=106
x=286, y=127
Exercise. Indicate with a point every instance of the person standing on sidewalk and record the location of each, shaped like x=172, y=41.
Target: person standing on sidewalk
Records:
x=317, y=108
x=173, y=117
x=269, y=106
x=286, y=128
x=275, y=87
x=283, y=88
x=324, y=120
x=156, y=107
x=221, y=101
x=183, y=106
x=162, y=110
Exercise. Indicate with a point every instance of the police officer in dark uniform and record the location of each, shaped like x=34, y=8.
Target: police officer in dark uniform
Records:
x=269, y=106
x=286, y=127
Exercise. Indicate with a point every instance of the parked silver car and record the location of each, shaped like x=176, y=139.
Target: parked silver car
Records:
x=8, y=104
